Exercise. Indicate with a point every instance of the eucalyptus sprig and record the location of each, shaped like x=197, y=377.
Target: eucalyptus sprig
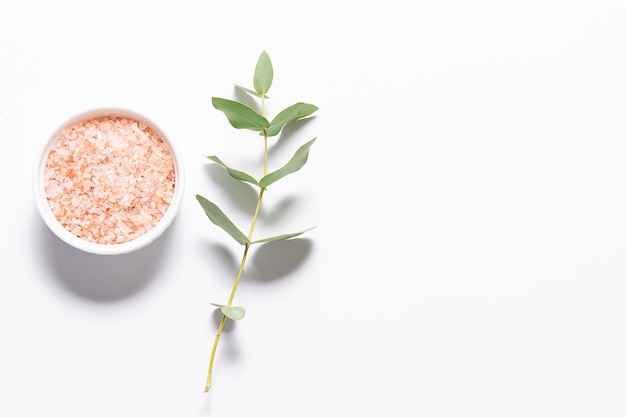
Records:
x=242, y=116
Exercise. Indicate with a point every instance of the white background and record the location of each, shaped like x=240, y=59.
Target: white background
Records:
x=467, y=184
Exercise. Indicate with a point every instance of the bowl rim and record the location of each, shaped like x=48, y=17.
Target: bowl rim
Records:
x=65, y=235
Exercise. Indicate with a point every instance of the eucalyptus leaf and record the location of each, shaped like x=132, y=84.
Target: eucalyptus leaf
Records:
x=263, y=74
x=235, y=313
x=217, y=216
x=240, y=175
x=291, y=113
x=295, y=163
x=281, y=237
x=239, y=115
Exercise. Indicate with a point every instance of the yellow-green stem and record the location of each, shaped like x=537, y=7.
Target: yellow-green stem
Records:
x=243, y=259
x=230, y=301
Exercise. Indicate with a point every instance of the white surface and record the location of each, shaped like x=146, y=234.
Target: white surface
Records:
x=467, y=186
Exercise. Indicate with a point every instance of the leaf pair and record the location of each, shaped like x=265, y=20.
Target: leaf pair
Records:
x=296, y=162
x=241, y=116
x=217, y=216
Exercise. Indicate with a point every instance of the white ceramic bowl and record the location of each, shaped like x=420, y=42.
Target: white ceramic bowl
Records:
x=96, y=248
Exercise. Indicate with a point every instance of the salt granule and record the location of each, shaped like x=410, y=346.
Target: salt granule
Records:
x=109, y=179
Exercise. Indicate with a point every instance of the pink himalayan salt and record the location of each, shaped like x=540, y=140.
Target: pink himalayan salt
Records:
x=109, y=179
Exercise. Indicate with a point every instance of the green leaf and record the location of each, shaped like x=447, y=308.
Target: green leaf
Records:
x=247, y=90
x=281, y=237
x=239, y=115
x=263, y=74
x=295, y=163
x=218, y=217
x=235, y=313
x=291, y=113
x=240, y=175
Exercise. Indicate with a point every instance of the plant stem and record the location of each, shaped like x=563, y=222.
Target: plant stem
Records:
x=221, y=326
x=243, y=259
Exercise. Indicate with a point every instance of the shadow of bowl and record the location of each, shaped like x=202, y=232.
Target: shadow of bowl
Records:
x=102, y=278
